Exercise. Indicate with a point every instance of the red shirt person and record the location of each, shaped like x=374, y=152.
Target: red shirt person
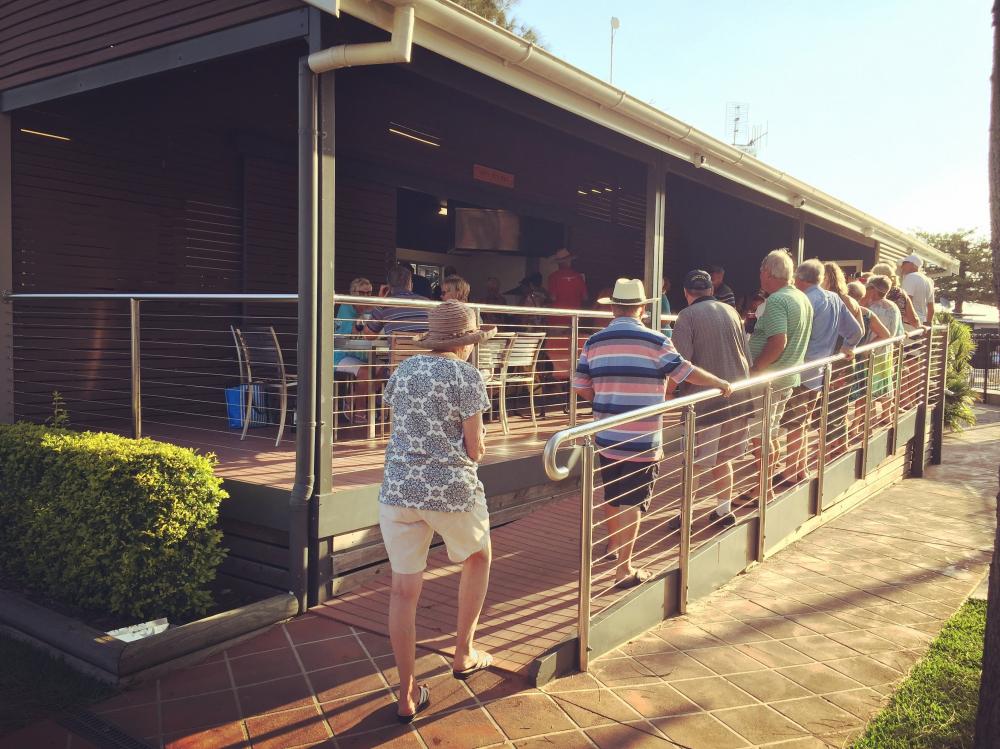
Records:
x=568, y=290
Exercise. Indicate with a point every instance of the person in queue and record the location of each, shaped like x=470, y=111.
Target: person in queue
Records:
x=919, y=287
x=722, y=292
x=624, y=367
x=455, y=287
x=664, y=326
x=349, y=322
x=431, y=484
x=389, y=320
x=833, y=329
x=876, y=299
x=567, y=289
x=875, y=330
x=709, y=334
x=779, y=340
x=897, y=295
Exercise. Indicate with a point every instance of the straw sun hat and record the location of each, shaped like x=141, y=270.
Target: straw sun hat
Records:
x=451, y=324
x=628, y=291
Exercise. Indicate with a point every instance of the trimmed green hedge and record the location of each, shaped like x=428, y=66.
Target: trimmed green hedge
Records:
x=108, y=523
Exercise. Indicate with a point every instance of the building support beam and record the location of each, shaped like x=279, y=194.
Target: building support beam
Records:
x=656, y=212
x=6, y=270
x=800, y=242
x=320, y=565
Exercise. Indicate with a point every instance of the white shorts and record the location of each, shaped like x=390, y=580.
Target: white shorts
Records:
x=719, y=444
x=407, y=533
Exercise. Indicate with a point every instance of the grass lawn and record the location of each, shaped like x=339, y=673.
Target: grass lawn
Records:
x=935, y=707
x=34, y=686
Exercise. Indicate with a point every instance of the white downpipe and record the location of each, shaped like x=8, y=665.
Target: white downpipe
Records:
x=451, y=31
x=397, y=49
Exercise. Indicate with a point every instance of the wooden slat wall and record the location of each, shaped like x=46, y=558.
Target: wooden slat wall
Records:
x=365, y=231
x=43, y=38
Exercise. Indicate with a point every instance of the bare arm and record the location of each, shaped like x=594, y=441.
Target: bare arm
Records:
x=910, y=314
x=699, y=376
x=772, y=351
x=879, y=331
x=473, y=434
x=586, y=393
x=930, y=313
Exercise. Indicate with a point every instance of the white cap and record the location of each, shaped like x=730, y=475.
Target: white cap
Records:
x=915, y=259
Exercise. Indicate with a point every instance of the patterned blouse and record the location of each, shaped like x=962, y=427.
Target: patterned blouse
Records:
x=426, y=466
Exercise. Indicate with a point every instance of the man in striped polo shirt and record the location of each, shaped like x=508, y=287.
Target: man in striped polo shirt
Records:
x=389, y=320
x=624, y=367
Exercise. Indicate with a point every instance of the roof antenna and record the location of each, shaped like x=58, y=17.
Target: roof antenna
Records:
x=747, y=138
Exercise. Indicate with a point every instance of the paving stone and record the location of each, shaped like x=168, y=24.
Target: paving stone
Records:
x=759, y=723
x=273, y=639
x=862, y=703
x=327, y=653
x=594, y=707
x=819, y=678
x=657, y=700
x=865, y=670
x=727, y=659
x=699, y=731
x=646, y=645
x=901, y=660
x=280, y=694
x=619, y=672
x=566, y=740
x=289, y=728
x=310, y=628
x=347, y=680
x=572, y=683
x=201, y=679
x=264, y=666
x=861, y=641
x=780, y=628
x=230, y=736
x=528, y=715
x=821, y=622
x=820, y=647
x=462, y=729
x=396, y=737
x=628, y=735
x=768, y=686
x=734, y=633
x=713, y=693
x=774, y=654
x=673, y=666
x=817, y=715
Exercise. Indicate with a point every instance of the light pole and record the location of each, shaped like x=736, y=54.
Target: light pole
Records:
x=615, y=25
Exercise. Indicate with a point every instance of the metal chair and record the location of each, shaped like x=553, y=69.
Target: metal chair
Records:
x=492, y=361
x=263, y=364
x=523, y=357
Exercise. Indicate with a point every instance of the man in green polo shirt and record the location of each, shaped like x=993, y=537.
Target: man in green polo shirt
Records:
x=780, y=337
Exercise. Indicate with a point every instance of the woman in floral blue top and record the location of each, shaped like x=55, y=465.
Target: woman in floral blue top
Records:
x=431, y=484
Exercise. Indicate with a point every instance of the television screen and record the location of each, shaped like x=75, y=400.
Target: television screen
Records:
x=487, y=230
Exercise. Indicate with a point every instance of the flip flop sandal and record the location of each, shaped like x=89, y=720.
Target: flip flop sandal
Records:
x=483, y=662
x=636, y=578
x=422, y=704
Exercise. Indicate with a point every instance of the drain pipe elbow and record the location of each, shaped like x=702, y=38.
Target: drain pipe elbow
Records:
x=398, y=49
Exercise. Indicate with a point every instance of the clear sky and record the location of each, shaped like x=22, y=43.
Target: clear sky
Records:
x=881, y=103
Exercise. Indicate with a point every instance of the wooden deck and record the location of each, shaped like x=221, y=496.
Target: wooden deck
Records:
x=356, y=461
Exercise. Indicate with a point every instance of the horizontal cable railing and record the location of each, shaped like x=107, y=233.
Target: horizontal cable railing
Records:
x=701, y=463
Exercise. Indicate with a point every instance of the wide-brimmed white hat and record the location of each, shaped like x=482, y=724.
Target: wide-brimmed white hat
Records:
x=915, y=259
x=452, y=324
x=626, y=291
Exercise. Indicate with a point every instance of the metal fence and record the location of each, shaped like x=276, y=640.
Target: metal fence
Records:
x=985, y=372
x=724, y=461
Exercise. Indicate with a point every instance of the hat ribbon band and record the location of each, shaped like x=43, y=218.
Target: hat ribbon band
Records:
x=618, y=300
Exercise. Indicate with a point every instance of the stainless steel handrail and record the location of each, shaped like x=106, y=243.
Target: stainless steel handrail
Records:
x=368, y=301
x=560, y=438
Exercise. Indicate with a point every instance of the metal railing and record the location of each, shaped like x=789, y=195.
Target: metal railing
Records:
x=736, y=449
x=161, y=363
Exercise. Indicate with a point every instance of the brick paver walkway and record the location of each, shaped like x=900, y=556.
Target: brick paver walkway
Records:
x=799, y=652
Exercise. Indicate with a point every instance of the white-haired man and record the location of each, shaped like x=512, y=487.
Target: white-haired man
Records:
x=919, y=287
x=780, y=337
x=833, y=328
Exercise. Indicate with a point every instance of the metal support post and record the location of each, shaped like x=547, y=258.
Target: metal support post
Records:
x=765, y=470
x=897, y=395
x=920, y=430
x=574, y=351
x=687, y=506
x=937, y=425
x=135, y=354
x=866, y=428
x=586, y=554
x=824, y=418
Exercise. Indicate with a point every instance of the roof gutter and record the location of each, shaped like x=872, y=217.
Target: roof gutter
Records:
x=462, y=36
x=398, y=49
